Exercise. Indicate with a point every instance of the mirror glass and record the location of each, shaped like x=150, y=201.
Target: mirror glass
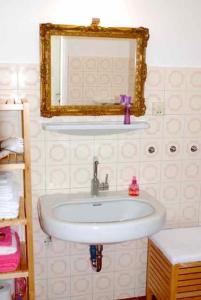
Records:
x=85, y=69
x=91, y=70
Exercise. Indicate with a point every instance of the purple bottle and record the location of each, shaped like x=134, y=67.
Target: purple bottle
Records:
x=122, y=99
x=127, y=106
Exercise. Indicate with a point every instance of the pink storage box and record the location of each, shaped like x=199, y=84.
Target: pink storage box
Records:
x=9, y=263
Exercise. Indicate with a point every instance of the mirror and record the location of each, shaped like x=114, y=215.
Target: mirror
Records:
x=84, y=70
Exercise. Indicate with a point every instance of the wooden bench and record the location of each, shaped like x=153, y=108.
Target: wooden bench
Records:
x=174, y=265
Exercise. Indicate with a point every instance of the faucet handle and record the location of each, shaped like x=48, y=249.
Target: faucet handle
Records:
x=104, y=185
x=106, y=179
x=96, y=168
x=106, y=182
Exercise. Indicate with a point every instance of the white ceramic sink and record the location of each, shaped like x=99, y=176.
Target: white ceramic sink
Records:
x=109, y=218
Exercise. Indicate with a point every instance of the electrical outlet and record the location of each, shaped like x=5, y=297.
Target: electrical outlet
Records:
x=158, y=108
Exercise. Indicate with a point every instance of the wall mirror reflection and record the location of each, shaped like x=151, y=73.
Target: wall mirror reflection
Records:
x=84, y=70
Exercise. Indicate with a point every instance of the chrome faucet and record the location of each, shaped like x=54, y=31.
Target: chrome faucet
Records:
x=96, y=186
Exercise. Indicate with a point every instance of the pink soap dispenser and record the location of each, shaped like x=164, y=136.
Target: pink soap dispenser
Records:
x=133, y=187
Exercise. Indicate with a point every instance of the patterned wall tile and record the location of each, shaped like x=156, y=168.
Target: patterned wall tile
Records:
x=28, y=77
x=172, y=215
x=8, y=77
x=108, y=262
x=57, y=248
x=58, y=267
x=58, y=287
x=193, y=78
x=37, y=152
x=103, y=282
x=140, y=278
x=82, y=152
x=152, y=189
x=140, y=291
x=40, y=249
x=173, y=126
x=125, y=172
x=192, y=102
x=170, y=192
x=175, y=79
x=155, y=130
x=171, y=171
x=124, y=293
x=190, y=191
x=155, y=78
x=191, y=170
x=149, y=172
x=57, y=152
x=189, y=213
x=175, y=103
x=80, y=176
x=80, y=264
x=79, y=249
x=40, y=268
x=125, y=260
x=41, y=289
x=124, y=280
x=106, y=151
x=62, y=163
x=85, y=297
x=103, y=296
x=36, y=131
x=34, y=99
x=192, y=126
x=38, y=177
x=128, y=150
x=81, y=285
x=57, y=176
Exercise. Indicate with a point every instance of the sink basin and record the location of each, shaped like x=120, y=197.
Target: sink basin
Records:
x=109, y=218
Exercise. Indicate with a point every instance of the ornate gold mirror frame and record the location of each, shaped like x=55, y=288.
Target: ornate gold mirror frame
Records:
x=141, y=35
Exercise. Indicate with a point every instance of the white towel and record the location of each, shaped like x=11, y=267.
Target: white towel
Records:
x=9, y=196
x=9, y=215
x=13, y=144
x=5, y=188
x=8, y=207
x=4, y=153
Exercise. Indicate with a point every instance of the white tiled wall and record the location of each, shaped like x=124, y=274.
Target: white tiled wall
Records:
x=62, y=163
